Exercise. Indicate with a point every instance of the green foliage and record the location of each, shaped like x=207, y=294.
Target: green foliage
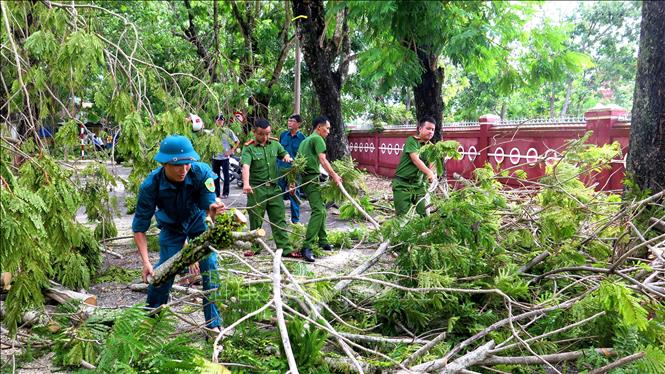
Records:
x=349, y=211
x=142, y=344
x=117, y=274
x=105, y=229
x=437, y=152
x=307, y=344
x=76, y=342
x=297, y=234
x=345, y=238
x=41, y=237
x=352, y=179
x=509, y=281
x=617, y=298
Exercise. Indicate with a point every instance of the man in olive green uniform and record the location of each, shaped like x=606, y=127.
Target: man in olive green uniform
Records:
x=408, y=186
x=259, y=176
x=313, y=148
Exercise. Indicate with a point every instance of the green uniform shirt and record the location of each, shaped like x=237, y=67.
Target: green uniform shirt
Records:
x=407, y=170
x=261, y=160
x=310, y=148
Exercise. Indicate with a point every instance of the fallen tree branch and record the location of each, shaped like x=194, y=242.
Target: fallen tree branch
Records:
x=191, y=254
x=658, y=224
x=279, y=312
x=383, y=339
x=424, y=349
x=538, y=360
x=619, y=362
x=357, y=206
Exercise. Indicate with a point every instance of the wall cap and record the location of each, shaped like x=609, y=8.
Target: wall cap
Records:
x=489, y=118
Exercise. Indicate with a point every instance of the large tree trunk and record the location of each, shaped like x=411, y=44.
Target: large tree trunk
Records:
x=427, y=93
x=320, y=53
x=647, y=135
x=192, y=35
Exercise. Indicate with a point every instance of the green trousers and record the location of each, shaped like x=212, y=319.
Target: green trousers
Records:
x=316, y=227
x=405, y=195
x=268, y=198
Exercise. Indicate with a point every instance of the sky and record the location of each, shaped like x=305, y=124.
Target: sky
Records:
x=557, y=10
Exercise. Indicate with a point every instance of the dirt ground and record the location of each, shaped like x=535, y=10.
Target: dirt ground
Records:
x=112, y=294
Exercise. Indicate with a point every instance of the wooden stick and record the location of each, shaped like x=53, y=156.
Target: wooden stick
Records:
x=658, y=224
x=279, y=311
x=538, y=360
x=535, y=261
x=112, y=253
x=424, y=349
x=619, y=362
x=383, y=339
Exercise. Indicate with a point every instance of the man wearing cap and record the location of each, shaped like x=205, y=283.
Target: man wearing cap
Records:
x=291, y=140
x=259, y=176
x=221, y=160
x=179, y=194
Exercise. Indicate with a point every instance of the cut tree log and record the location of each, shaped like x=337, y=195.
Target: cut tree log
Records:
x=6, y=280
x=191, y=254
x=63, y=295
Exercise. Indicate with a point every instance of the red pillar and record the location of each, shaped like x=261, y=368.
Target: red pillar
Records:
x=376, y=153
x=486, y=122
x=601, y=119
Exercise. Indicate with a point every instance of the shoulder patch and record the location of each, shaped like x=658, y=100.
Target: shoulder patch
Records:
x=250, y=142
x=210, y=184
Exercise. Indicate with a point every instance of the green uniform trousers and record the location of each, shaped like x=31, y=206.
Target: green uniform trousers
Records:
x=406, y=194
x=269, y=198
x=316, y=227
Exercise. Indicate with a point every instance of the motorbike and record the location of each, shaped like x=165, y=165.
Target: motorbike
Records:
x=235, y=170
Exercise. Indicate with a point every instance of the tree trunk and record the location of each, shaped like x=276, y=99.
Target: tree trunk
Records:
x=215, y=27
x=552, y=102
x=191, y=34
x=327, y=83
x=427, y=93
x=566, y=102
x=504, y=107
x=647, y=135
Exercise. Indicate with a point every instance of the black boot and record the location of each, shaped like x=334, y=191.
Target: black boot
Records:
x=307, y=254
x=326, y=247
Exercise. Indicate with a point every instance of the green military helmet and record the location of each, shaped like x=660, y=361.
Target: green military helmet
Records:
x=176, y=150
